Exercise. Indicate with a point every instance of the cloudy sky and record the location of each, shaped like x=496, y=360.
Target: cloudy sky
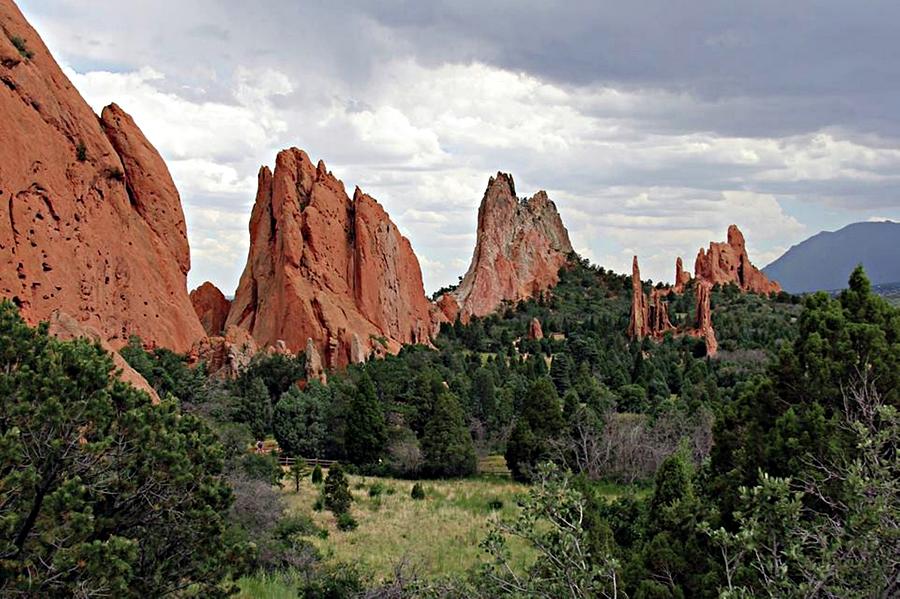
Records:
x=653, y=125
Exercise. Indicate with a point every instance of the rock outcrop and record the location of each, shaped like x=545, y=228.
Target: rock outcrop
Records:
x=658, y=322
x=90, y=221
x=722, y=264
x=64, y=327
x=682, y=278
x=637, y=325
x=704, y=328
x=520, y=247
x=650, y=315
x=535, y=331
x=314, y=367
x=211, y=307
x=227, y=354
x=728, y=262
x=326, y=267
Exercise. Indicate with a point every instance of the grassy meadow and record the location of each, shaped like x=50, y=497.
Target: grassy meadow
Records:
x=437, y=536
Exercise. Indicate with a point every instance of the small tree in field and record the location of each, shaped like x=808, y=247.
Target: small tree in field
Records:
x=417, y=493
x=317, y=475
x=337, y=490
x=296, y=472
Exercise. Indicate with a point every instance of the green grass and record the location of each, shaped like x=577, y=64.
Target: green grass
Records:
x=268, y=586
x=438, y=536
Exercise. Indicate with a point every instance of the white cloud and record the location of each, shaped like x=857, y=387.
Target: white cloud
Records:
x=424, y=139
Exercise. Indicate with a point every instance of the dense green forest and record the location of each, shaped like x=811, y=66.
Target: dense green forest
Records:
x=768, y=470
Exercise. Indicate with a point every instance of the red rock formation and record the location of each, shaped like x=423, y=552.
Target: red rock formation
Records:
x=658, y=312
x=723, y=263
x=90, y=221
x=682, y=278
x=65, y=327
x=649, y=318
x=637, y=326
x=534, y=329
x=728, y=262
x=520, y=247
x=448, y=306
x=225, y=356
x=704, y=328
x=358, y=352
x=314, y=368
x=324, y=267
x=211, y=307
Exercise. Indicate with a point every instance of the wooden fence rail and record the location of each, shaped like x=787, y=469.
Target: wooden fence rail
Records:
x=284, y=460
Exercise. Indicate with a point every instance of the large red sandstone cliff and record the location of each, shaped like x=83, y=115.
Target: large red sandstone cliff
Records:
x=520, y=247
x=90, y=221
x=326, y=267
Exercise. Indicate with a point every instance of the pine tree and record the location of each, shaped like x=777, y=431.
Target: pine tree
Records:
x=299, y=421
x=316, y=477
x=297, y=471
x=447, y=444
x=540, y=421
x=101, y=491
x=254, y=408
x=337, y=490
x=366, y=426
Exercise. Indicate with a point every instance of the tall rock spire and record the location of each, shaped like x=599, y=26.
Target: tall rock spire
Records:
x=520, y=246
x=637, y=326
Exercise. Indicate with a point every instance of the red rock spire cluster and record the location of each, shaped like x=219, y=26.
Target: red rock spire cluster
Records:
x=649, y=315
x=520, y=246
x=722, y=264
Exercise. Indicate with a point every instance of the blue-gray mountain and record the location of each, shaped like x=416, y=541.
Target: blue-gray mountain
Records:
x=824, y=261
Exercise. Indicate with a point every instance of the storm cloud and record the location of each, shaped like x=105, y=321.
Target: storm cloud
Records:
x=653, y=125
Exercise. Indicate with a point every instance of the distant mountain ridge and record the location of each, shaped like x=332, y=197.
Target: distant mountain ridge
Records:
x=825, y=260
